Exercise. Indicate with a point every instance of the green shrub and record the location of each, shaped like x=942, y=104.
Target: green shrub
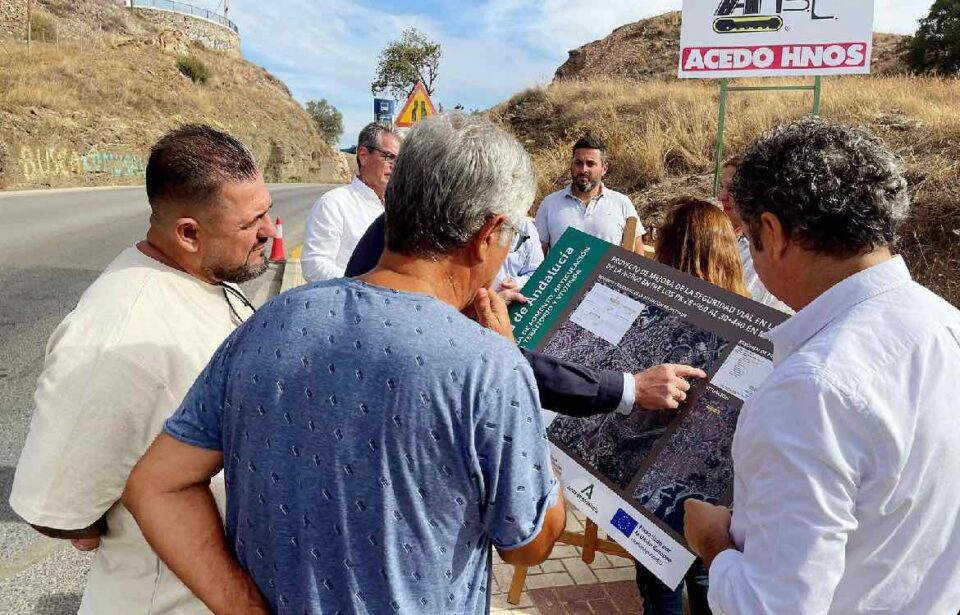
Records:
x=193, y=67
x=935, y=48
x=42, y=28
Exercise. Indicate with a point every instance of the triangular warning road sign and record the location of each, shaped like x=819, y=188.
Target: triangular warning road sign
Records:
x=417, y=107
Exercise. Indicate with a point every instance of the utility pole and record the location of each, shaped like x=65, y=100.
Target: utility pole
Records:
x=226, y=9
x=29, y=26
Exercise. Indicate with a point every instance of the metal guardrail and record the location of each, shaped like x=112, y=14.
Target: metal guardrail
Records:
x=186, y=9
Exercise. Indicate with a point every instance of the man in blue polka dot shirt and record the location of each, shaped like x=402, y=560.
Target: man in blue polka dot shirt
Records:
x=375, y=441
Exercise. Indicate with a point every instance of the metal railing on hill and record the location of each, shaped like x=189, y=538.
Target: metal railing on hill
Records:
x=186, y=9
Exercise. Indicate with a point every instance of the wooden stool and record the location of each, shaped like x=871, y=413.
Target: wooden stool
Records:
x=587, y=541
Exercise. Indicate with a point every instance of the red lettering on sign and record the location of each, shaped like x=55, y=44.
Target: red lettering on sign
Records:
x=774, y=57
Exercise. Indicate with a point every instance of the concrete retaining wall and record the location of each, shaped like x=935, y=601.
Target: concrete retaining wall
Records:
x=210, y=34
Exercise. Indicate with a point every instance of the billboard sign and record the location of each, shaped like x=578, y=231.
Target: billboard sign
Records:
x=722, y=39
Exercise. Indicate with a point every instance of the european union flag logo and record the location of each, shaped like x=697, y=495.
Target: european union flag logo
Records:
x=624, y=522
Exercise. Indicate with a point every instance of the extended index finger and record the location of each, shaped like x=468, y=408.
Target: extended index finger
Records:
x=685, y=371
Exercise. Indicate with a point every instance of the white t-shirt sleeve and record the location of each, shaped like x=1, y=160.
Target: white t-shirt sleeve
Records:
x=321, y=241
x=543, y=224
x=96, y=413
x=629, y=211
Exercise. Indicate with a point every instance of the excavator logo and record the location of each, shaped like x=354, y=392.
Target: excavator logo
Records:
x=751, y=18
x=751, y=23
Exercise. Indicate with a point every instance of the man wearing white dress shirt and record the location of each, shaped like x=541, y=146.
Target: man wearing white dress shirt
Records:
x=525, y=256
x=846, y=460
x=340, y=217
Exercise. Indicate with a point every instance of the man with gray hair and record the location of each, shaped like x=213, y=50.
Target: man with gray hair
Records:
x=846, y=461
x=388, y=441
x=340, y=217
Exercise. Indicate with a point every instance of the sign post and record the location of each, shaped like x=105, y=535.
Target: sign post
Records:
x=727, y=39
x=725, y=88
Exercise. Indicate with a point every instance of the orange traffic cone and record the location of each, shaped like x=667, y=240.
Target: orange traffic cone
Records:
x=276, y=252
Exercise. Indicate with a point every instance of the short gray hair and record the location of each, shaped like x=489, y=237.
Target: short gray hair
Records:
x=836, y=189
x=453, y=174
x=371, y=137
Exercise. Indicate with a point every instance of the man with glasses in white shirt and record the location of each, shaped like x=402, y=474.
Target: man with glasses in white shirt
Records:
x=341, y=217
x=846, y=459
x=526, y=254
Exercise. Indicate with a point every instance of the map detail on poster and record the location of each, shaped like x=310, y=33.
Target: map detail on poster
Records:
x=597, y=305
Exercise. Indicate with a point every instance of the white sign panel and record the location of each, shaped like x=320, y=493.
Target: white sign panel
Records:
x=742, y=373
x=607, y=313
x=655, y=549
x=723, y=39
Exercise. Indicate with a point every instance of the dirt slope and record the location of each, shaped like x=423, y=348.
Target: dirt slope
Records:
x=71, y=118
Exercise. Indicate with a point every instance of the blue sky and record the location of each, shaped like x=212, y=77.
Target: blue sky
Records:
x=492, y=49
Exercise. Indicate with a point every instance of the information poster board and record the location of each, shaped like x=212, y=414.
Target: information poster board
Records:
x=598, y=305
x=725, y=39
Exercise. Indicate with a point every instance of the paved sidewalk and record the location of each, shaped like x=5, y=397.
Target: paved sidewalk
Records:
x=565, y=584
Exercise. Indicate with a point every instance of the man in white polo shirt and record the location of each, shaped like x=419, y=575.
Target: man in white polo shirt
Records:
x=120, y=363
x=846, y=462
x=586, y=204
x=341, y=217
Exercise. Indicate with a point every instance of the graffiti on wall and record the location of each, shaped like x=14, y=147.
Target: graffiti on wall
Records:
x=39, y=164
x=213, y=42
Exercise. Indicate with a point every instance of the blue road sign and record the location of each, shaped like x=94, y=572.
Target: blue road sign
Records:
x=383, y=110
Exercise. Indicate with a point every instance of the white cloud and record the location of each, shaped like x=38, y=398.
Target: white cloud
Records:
x=556, y=26
x=491, y=50
x=900, y=16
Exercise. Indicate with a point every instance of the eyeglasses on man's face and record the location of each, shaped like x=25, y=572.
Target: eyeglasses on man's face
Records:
x=519, y=239
x=388, y=157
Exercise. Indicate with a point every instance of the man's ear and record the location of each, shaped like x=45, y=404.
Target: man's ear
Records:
x=488, y=238
x=187, y=234
x=773, y=236
x=362, y=154
x=605, y=166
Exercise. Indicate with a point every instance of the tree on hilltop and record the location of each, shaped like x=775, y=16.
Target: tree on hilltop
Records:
x=404, y=62
x=327, y=119
x=935, y=48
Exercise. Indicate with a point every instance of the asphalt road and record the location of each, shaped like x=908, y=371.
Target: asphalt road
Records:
x=53, y=244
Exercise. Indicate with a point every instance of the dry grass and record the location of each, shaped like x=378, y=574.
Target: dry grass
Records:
x=124, y=96
x=662, y=137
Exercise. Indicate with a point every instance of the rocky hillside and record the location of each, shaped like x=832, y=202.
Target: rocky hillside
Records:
x=72, y=116
x=650, y=49
x=662, y=132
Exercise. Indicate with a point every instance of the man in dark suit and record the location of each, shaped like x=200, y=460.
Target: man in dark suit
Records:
x=568, y=388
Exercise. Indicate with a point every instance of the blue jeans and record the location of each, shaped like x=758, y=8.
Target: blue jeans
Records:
x=658, y=599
